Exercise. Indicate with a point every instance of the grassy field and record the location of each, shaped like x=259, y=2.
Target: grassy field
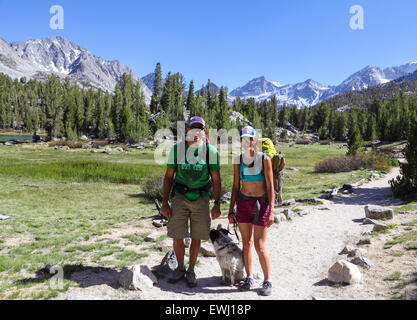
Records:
x=65, y=204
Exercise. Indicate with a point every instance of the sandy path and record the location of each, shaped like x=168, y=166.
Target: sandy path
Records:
x=301, y=251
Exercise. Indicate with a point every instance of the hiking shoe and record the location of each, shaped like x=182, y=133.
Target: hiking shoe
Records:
x=246, y=285
x=191, y=279
x=266, y=289
x=177, y=276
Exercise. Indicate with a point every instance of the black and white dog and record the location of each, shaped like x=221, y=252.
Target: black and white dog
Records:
x=229, y=256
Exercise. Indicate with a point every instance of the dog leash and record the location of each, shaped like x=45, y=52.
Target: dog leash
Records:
x=234, y=228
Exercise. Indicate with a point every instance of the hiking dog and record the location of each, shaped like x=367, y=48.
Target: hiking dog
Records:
x=229, y=256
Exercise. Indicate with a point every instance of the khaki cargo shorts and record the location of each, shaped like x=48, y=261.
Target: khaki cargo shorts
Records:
x=193, y=213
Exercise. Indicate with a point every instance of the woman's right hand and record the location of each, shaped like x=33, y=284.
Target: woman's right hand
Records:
x=166, y=211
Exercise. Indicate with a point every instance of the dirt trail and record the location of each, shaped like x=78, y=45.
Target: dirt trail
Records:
x=301, y=251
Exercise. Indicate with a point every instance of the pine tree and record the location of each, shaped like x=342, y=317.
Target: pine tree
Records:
x=355, y=142
x=406, y=184
x=190, y=105
x=157, y=89
x=223, y=111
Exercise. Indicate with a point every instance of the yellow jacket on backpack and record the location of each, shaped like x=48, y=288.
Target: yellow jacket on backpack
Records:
x=277, y=159
x=268, y=147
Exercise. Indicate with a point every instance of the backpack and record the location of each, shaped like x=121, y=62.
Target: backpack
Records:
x=277, y=158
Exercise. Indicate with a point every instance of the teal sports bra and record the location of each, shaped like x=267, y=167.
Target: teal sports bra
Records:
x=255, y=173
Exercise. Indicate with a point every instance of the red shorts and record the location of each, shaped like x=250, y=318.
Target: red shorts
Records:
x=246, y=213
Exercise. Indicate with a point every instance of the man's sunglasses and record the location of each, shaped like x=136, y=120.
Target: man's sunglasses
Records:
x=196, y=128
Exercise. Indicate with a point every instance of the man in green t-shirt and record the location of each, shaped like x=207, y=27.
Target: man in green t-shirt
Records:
x=196, y=167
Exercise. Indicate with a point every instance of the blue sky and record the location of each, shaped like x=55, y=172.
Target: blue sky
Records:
x=228, y=41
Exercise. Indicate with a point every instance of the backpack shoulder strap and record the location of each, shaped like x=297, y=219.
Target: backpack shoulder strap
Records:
x=208, y=159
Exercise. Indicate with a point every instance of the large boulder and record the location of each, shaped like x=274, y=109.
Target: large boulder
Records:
x=378, y=212
x=138, y=278
x=344, y=272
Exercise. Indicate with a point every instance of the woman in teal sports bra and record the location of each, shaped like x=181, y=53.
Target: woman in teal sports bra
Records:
x=253, y=192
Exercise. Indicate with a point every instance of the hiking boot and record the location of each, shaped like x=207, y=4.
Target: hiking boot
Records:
x=177, y=276
x=266, y=289
x=246, y=285
x=191, y=279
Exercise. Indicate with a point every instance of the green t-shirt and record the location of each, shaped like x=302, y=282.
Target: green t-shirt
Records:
x=195, y=174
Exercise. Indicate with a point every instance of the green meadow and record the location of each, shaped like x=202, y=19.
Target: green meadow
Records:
x=65, y=204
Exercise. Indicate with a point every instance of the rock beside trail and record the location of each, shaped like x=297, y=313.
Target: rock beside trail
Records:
x=364, y=241
x=369, y=221
x=357, y=252
x=379, y=227
x=280, y=218
x=289, y=202
x=344, y=272
x=138, y=278
x=363, y=262
x=152, y=237
x=304, y=212
x=352, y=251
x=159, y=223
x=347, y=250
x=289, y=214
x=167, y=266
x=207, y=250
x=378, y=213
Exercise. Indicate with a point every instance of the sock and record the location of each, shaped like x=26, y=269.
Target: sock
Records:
x=191, y=267
x=250, y=277
x=181, y=265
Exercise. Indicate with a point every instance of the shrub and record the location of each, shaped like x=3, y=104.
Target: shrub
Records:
x=303, y=141
x=71, y=144
x=152, y=187
x=372, y=160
